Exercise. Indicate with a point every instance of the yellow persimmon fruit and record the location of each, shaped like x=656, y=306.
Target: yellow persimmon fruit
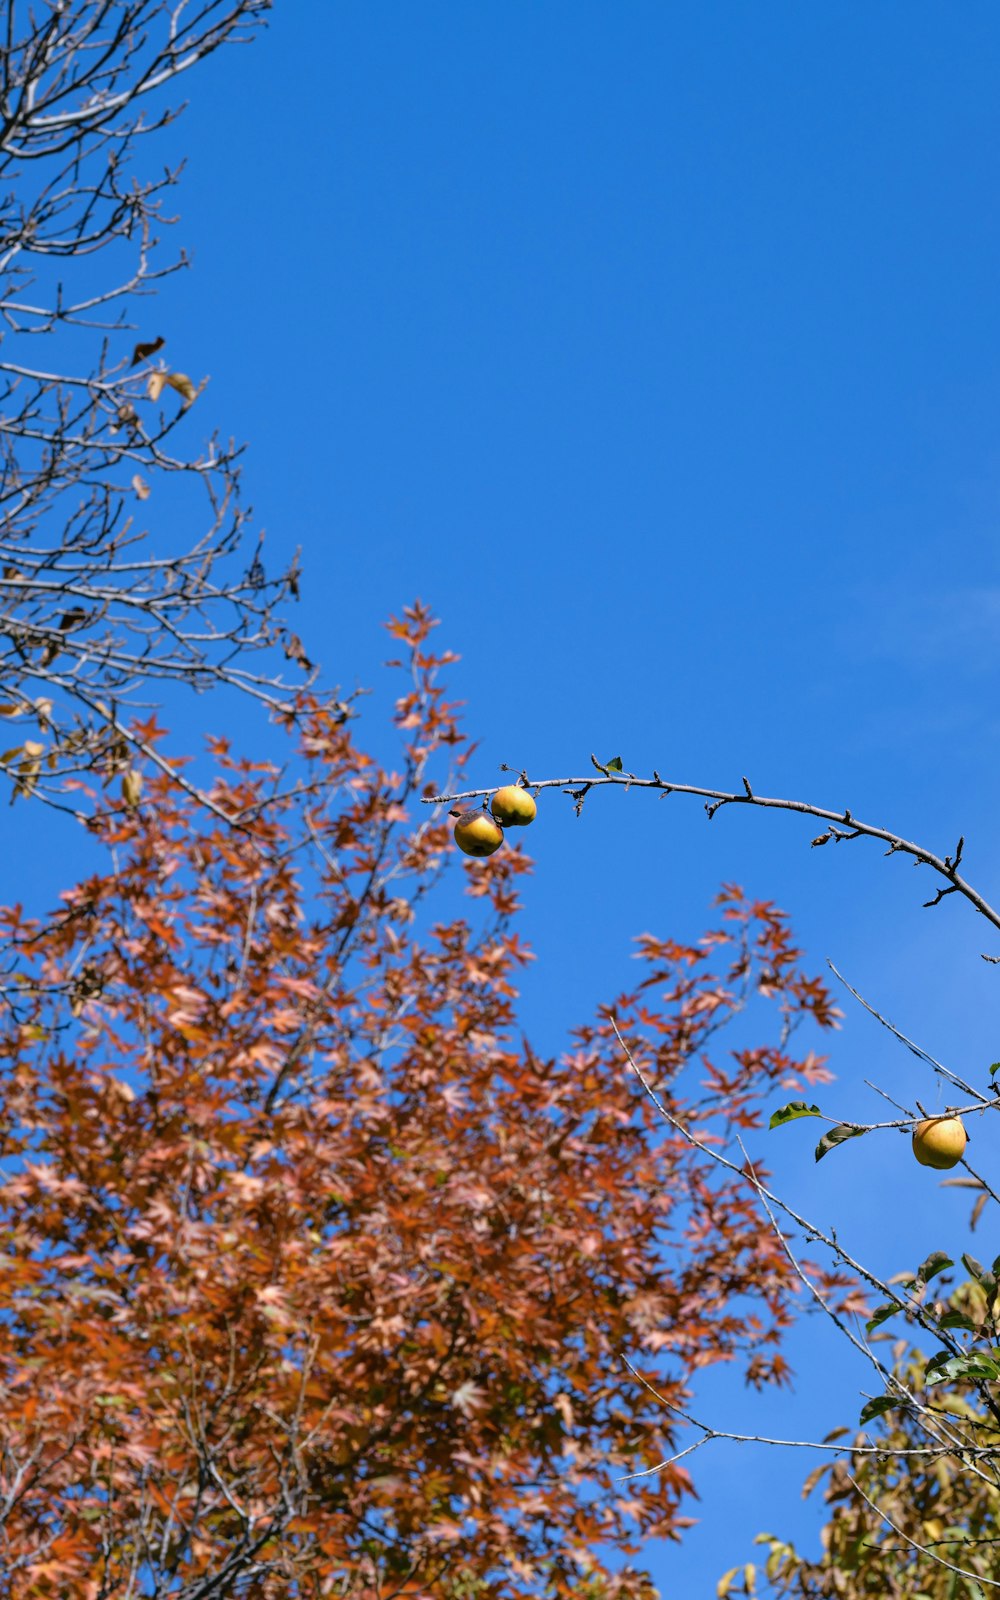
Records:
x=513, y=806
x=939, y=1142
x=476, y=832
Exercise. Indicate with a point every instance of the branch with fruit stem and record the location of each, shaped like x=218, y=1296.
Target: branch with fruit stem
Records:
x=841, y=824
x=809, y=1229
x=944, y=1429
x=905, y=1123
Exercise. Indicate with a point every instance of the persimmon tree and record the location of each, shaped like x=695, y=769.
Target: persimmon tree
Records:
x=124, y=563
x=317, y=1278
x=931, y=1424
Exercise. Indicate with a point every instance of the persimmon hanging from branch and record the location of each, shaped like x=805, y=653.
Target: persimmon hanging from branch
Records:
x=841, y=825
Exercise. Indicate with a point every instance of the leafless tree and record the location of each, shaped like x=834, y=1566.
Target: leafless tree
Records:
x=95, y=613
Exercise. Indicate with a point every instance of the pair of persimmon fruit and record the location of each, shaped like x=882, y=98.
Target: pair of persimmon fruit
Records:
x=479, y=832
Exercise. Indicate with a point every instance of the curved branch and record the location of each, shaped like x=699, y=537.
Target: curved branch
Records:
x=841, y=825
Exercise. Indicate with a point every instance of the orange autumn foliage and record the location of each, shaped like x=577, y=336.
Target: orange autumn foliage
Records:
x=316, y=1278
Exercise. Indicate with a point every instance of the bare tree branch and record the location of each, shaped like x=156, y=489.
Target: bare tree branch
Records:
x=95, y=618
x=842, y=825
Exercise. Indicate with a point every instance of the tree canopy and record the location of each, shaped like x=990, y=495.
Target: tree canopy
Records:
x=314, y=1271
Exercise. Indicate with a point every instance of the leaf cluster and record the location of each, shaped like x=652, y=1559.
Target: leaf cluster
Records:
x=913, y=1505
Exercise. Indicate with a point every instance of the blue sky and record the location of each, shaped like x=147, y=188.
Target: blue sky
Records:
x=658, y=349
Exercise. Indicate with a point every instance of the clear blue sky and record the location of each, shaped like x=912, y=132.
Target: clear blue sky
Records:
x=656, y=347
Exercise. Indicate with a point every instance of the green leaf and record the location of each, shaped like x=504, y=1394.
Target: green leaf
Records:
x=938, y=1360
x=957, y=1319
x=974, y=1268
x=882, y=1314
x=614, y=765
x=936, y=1262
x=995, y=1069
x=837, y=1135
x=975, y=1366
x=791, y=1113
x=877, y=1407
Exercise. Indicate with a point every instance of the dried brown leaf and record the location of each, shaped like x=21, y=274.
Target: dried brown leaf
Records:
x=143, y=351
